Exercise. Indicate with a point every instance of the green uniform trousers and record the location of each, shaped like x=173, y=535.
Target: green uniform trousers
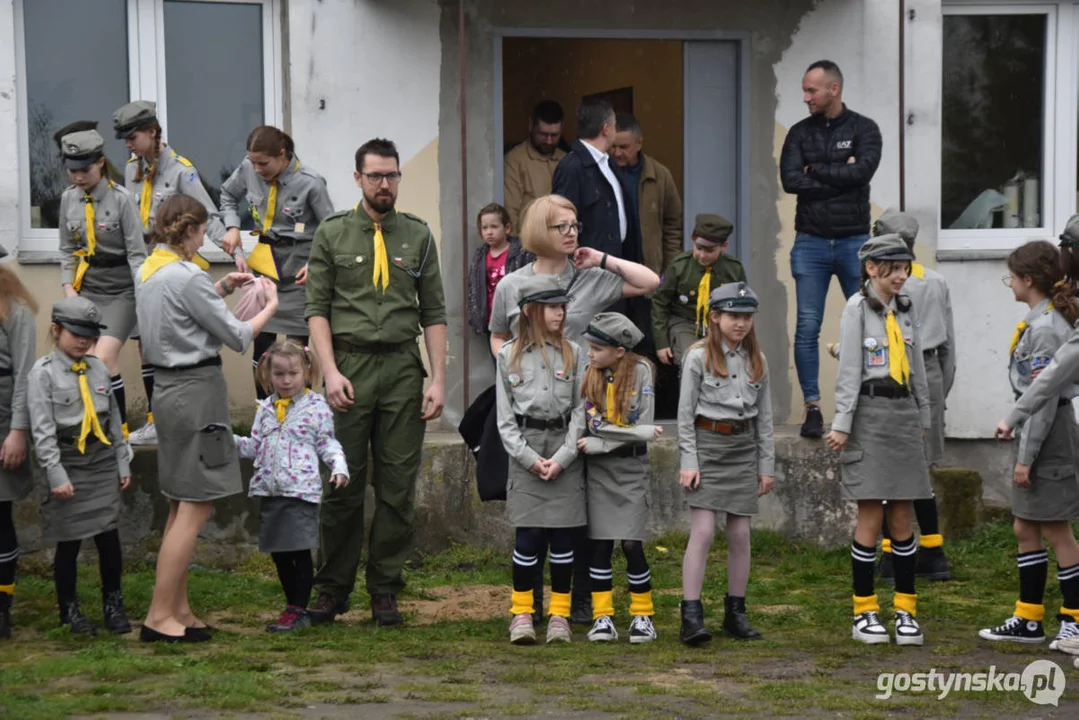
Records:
x=683, y=335
x=388, y=393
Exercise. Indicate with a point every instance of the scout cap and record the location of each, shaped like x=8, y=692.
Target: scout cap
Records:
x=82, y=149
x=885, y=247
x=735, y=297
x=541, y=289
x=894, y=222
x=133, y=116
x=613, y=330
x=78, y=315
x=713, y=229
x=1070, y=237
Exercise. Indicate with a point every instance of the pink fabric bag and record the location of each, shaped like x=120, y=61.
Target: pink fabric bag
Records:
x=253, y=300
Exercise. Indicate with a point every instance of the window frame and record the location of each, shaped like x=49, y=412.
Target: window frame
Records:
x=146, y=81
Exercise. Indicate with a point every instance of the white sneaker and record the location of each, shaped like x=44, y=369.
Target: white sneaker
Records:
x=907, y=630
x=558, y=629
x=521, y=630
x=641, y=630
x=1067, y=637
x=145, y=435
x=868, y=629
x=603, y=630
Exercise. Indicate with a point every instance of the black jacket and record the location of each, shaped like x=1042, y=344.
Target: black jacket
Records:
x=477, y=280
x=579, y=180
x=833, y=195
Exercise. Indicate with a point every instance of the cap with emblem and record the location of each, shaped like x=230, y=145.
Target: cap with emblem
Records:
x=714, y=229
x=894, y=222
x=613, y=330
x=78, y=315
x=735, y=297
x=1070, y=237
x=885, y=247
x=82, y=149
x=133, y=116
x=543, y=289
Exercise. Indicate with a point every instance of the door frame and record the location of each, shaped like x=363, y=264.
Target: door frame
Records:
x=742, y=39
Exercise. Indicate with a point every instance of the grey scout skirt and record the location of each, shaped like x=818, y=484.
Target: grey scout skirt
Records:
x=117, y=313
x=96, y=504
x=730, y=473
x=18, y=483
x=287, y=524
x=617, y=490
x=1053, y=494
x=885, y=454
x=196, y=454
x=533, y=502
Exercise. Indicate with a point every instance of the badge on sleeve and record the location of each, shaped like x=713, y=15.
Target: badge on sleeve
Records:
x=647, y=390
x=1039, y=362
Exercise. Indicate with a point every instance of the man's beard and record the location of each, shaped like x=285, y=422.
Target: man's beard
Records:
x=380, y=203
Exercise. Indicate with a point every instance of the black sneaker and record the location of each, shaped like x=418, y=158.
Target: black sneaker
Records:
x=116, y=620
x=71, y=614
x=933, y=565
x=813, y=427
x=1015, y=629
x=581, y=610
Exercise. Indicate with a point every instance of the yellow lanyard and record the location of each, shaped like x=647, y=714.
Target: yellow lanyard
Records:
x=89, y=415
x=898, y=365
x=704, y=289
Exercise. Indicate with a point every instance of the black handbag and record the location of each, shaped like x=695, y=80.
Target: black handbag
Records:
x=479, y=428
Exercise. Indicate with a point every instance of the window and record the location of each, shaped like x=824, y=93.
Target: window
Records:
x=212, y=67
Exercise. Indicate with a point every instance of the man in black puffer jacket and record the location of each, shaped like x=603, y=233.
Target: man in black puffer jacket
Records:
x=828, y=160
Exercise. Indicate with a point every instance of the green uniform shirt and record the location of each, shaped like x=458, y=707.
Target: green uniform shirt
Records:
x=340, y=279
x=677, y=296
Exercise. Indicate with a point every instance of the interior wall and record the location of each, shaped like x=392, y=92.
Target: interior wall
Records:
x=566, y=69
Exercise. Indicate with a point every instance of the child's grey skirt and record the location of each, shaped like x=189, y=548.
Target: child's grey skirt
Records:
x=730, y=473
x=885, y=454
x=287, y=524
x=1053, y=494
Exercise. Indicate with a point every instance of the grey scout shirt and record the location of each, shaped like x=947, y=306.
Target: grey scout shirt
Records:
x=590, y=292
x=1062, y=372
x=605, y=437
x=18, y=347
x=56, y=406
x=183, y=319
x=539, y=389
x=175, y=175
x=936, y=325
x=735, y=398
x=117, y=232
x=1046, y=331
x=863, y=356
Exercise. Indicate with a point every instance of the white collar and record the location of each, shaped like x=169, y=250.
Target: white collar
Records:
x=600, y=157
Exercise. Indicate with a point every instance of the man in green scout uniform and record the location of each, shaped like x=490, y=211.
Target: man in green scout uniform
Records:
x=373, y=282
x=680, y=306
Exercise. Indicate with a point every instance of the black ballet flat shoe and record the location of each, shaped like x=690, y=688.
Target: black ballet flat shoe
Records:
x=196, y=635
x=149, y=635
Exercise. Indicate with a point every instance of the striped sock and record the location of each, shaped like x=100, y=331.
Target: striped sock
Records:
x=862, y=560
x=1033, y=574
x=1069, y=590
x=904, y=559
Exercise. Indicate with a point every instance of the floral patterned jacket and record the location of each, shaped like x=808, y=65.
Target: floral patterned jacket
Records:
x=286, y=454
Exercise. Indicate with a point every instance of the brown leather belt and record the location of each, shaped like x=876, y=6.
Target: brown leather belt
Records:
x=723, y=427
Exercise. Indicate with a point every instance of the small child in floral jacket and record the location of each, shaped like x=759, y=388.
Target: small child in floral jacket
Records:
x=292, y=431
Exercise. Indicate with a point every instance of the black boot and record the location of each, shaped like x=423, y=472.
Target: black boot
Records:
x=581, y=609
x=735, y=622
x=5, y=615
x=71, y=614
x=693, y=631
x=932, y=564
x=116, y=620
x=886, y=569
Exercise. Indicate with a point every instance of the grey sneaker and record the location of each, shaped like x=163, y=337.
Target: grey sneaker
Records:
x=522, y=632
x=558, y=629
x=145, y=435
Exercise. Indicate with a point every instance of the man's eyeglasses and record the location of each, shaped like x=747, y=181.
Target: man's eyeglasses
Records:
x=376, y=178
x=567, y=228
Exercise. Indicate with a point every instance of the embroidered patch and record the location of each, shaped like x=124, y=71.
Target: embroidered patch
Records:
x=593, y=416
x=876, y=357
x=514, y=380
x=101, y=389
x=647, y=390
x=193, y=178
x=1022, y=367
x=1040, y=361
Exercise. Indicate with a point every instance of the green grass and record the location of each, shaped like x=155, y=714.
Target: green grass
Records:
x=799, y=597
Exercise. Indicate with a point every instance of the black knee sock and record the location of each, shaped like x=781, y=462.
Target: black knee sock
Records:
x=304, y=578
x=582, y=559
x=637, y=570
x=66, y=570
x=525, y=558
x=541, y=562
x=262, y=343
x=561, y=541
x=599, y=572
x=1069, y=589
x=121, y=397
x=148, y=386
x=904, y=559
x=110, y=560
x=1033, y=573
x=9, y=545
x=862, y=560
x=925, y=510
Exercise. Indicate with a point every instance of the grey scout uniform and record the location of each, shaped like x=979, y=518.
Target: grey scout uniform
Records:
x=18, y=344
x=1049, y=439
x=1055, y=380
x=56, y=414
x=174, y=175
x=302, y=203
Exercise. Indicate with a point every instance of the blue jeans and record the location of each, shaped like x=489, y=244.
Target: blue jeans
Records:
x=813, y=262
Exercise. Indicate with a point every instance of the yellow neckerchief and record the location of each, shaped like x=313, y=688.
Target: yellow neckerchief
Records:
x=90, y=422
x=271, y=200
x=146, y=200
x=917, y=270
x=381, y=273
x=704, y=289
x=261, y=259
x=614, y=412
x=159, y=258
x=898, y=364
x=281, y=406
x=1020, y=327
x=91, y=239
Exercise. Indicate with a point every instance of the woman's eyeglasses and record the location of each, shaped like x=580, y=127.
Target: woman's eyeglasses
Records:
x=567, y=228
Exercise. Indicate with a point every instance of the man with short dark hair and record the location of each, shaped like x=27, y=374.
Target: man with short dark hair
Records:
x=529, y=167
x=828, y=160
x=653, y=192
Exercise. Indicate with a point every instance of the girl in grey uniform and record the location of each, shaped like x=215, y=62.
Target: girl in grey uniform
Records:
x=620, y=406
x=184, y=323
x=75, y=421
x=540, y=420
x=101, y=248
x=287, y=201
x=882, y=413
x=727, y=446
x=154, y=172
x=17, y=350
x=1045, y=491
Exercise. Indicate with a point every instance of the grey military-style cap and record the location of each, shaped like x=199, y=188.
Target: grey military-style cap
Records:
x=543, y=289
x=885, y=247
x=78, y=315
x=894, y=222
x=133, y=116
x=713, y=229
x=613, y=330
x=735, y=297
x=1070, y=237
x=82, y=149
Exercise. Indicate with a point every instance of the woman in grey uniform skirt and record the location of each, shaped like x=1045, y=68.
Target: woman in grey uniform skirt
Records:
x=184, y=323
x=727, y=448
x=620, y=405
x=101, y=248
x=882, y=415
x=75, y=420
x=540, y=420
x=18, y=344
x=287, y=201
x=1045, y=490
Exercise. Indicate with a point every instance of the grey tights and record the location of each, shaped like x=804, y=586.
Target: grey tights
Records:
x=701, y=533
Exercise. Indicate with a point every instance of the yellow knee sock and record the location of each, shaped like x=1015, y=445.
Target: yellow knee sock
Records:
x=150, y=418
x=559, y=605
x=1029, y=611
x=8, y=589
x=1073, y=614
x=867, y=603
x=522, y=602
x=641, y=604
x=906, y=601
x=123, y=429
x=602, y=604
x=931, y=541
x=886, y=545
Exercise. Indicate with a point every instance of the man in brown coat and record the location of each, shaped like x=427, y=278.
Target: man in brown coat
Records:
x=530, y=166
x=658, y=203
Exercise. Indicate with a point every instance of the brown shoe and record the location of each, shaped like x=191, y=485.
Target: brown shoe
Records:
x=326, y=608
x=384, y=610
